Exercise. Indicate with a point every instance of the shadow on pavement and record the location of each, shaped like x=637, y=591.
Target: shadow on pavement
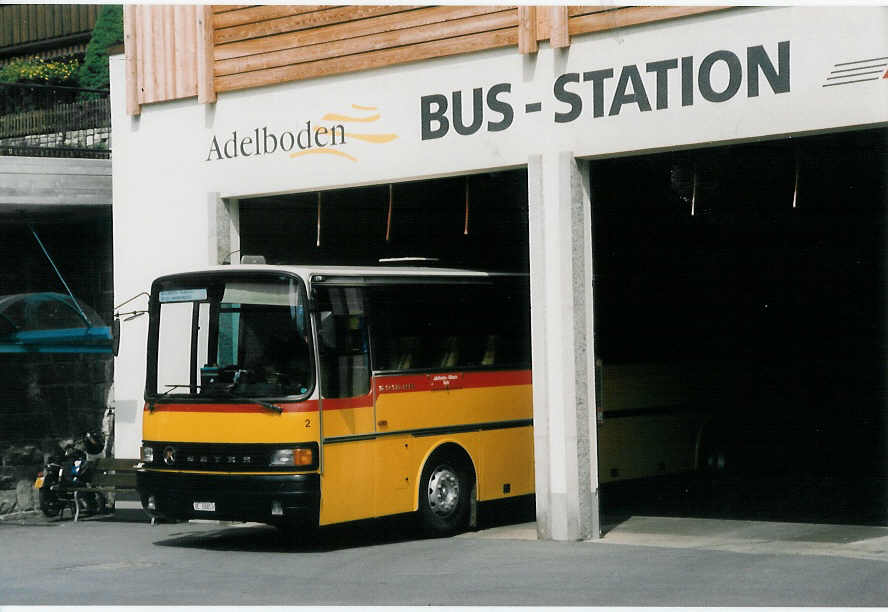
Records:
x=389, y=530
x=265, y=538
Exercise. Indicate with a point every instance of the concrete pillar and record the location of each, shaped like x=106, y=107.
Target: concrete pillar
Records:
x=565, y=439
x=224, y=230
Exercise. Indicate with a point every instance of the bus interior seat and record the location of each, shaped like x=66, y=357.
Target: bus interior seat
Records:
x=450, y=358
x=489, y=351
x=406, y=348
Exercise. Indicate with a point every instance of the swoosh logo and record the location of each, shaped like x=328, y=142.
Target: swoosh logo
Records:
x=373, y=115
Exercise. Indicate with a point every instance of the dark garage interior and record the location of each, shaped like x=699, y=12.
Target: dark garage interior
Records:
x=767, y=259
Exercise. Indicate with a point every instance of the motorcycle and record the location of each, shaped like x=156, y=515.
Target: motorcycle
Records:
x=67, y=481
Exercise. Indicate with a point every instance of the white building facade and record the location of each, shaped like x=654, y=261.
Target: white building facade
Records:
x=749, y=74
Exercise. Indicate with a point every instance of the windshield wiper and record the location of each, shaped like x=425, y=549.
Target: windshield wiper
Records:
x=167, y=392
x=172, y=387
x=258, y=402
x=251, y=400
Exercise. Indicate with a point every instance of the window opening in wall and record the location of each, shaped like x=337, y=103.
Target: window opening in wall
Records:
x=477, y=220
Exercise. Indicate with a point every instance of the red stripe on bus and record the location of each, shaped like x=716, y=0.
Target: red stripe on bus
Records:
x=505, y=378
x=406, y=383
x=307, y=406
x=364, y=401
x=410, y=383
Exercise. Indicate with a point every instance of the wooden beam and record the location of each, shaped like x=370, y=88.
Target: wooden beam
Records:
x=559, y=37
x=180, y=48
x=142, y=28
x=190, y=50
x=255, y=14
x=157, y=72
x=527, y=29
x=374, y=59
x=543, y=23
x=354, y=29
x=206, y=90
x=224, y=8
x=575, y=11
x=312, y=19
x=168, y=38
x=353, y=47
x=624, y=17
x=131, y=57
x=185, y=41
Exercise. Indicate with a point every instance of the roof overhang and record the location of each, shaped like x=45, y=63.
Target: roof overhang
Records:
x=37, y=185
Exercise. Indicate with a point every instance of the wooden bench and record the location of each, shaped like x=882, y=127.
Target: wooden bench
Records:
x=116, y=476
x=112, y=477
x=77, y=491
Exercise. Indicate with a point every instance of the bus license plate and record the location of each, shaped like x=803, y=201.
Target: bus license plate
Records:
x=205, y=506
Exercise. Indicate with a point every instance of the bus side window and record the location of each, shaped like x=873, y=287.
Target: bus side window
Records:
x=448, y=327
x=342, y=342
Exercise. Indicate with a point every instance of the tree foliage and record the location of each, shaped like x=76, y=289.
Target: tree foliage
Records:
x=107, y=32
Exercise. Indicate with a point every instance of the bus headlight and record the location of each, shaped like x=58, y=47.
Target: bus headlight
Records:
x=292, y=457
x=147, y=454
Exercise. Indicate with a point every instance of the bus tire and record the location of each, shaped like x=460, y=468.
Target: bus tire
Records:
x=445, y=494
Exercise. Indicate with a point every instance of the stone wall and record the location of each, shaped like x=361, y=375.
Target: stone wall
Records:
x=93, y=138
x=45, y=400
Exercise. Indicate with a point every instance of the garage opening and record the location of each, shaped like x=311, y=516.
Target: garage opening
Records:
x=476, y=221
x=767, y=263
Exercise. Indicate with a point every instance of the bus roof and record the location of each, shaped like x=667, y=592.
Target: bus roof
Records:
x=306, y=271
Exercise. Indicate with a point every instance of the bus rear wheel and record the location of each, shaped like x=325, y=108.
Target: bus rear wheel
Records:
x=444, y=493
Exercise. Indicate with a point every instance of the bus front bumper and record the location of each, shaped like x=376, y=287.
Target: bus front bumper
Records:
x=263, y=498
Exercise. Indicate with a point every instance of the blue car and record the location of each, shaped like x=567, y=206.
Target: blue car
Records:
x=51, y=323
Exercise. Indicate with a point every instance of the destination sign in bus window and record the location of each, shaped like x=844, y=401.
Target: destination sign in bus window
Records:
x=182, y=295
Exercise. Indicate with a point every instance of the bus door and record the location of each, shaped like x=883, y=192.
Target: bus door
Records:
x=414, y=345
x=347, y=412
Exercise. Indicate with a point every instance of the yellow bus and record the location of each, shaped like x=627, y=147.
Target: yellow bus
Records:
x=306, y=396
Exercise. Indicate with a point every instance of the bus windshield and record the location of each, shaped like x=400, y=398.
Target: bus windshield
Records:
x=220, y=337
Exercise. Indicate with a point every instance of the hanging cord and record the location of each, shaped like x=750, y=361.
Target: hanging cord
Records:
x=319, y=220
x=388, y=222
x=59, y=274
x=795, y=190
x=466, y=227
x=694, y=192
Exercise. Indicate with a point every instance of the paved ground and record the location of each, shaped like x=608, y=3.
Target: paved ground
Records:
x=640, y=561
x=749, y=537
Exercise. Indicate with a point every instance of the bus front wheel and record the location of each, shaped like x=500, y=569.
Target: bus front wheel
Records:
x=444, y=493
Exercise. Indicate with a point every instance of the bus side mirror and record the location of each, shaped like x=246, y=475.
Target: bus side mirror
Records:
x=115, y=336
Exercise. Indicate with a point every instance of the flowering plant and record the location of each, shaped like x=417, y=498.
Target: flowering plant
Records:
x=21, y=73
x=44, y=72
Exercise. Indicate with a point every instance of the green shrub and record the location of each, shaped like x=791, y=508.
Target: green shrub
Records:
x=107, y=32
